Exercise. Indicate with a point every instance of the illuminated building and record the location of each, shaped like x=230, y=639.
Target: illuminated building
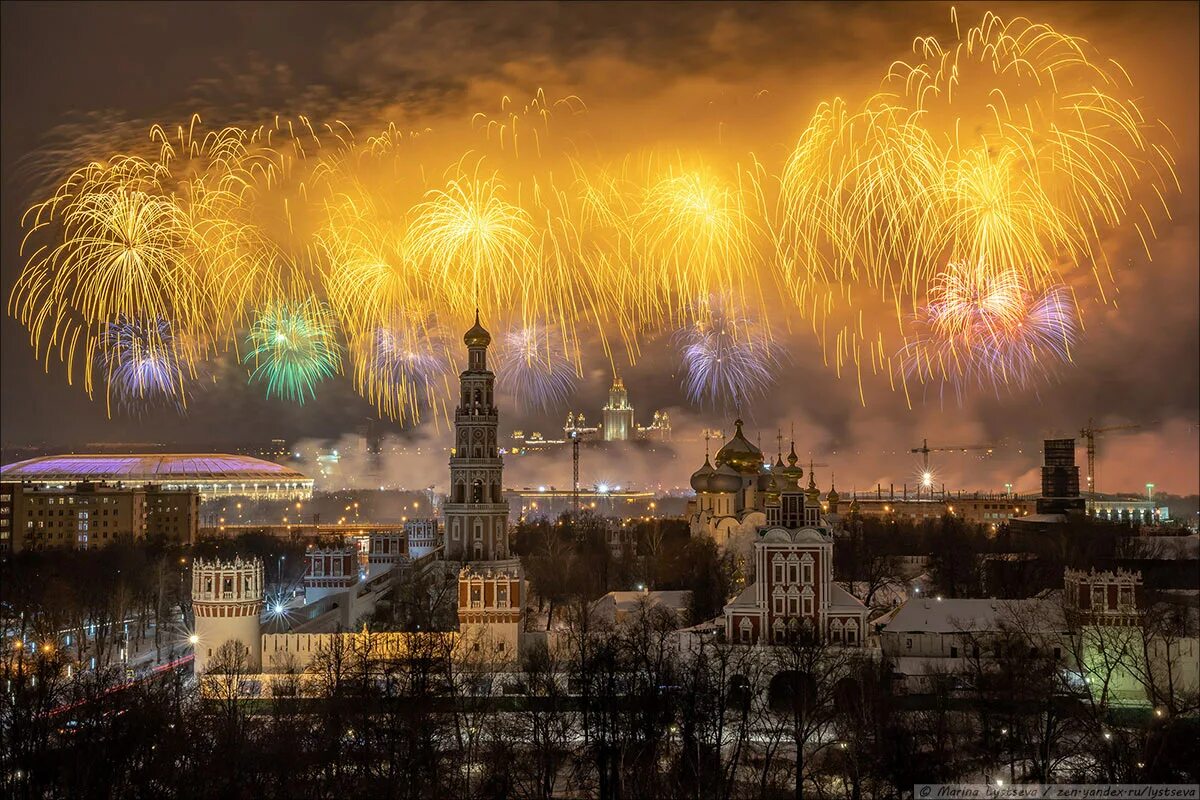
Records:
x=385, y=551
x=227, y=598
x=88, y=515
x=476, y=512
x=618, y=414
x=576, y=427
x=491, y=608
x=329, y=571
x=732, y=496
x=657, y=431
x=210, y=474
x=793, y=588
x=421, y=536
x=607, y=501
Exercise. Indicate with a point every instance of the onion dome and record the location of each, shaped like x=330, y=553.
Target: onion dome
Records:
x=478, y=335
x=740, y=454
x=812, y=495
x=700, y=477
x=766, y=481
x=854, y=505
x=833, y=497
x=725, y=480
x=792, y=473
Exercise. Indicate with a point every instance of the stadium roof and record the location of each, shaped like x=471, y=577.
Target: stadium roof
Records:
x=210, y=473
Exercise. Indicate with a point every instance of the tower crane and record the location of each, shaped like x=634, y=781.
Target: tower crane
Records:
x=925, y=450
x=1090, y=433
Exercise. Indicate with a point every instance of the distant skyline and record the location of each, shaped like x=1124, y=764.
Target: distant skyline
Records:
x=651, y=79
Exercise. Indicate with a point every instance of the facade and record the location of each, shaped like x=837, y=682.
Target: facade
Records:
x=227, y=599
x=793, y=588
x=329, y=570
x=659, y=430
x=385, y=551
x=89, y=515
x=172, y=515
x=476, y=512
x=1103, y=598
x=1060, y=478
x=618, y=414
x=210, y=474
x=491, y=601
x=992, y=510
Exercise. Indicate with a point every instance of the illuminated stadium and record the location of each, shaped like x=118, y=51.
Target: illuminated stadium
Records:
x=212, y=474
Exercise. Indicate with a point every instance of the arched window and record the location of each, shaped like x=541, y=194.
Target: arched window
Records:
x=777, y=631
x=851, y=632
x=835, y=630
x=746, y=630
x=477, y=491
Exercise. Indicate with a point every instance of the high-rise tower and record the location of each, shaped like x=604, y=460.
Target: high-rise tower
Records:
x=476, y=512
x=618, y=414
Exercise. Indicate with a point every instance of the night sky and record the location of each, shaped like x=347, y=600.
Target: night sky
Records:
x=77, y=78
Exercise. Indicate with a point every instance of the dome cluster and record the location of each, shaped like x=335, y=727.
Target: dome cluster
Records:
x=739, y=462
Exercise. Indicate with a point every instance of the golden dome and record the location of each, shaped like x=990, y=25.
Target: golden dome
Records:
x=792, y=473
x=478, y=335
x=740, y=454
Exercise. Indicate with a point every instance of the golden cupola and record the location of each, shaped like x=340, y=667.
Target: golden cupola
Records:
x=740, y=454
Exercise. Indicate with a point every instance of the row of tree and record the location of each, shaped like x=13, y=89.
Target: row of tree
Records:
x=628, y=711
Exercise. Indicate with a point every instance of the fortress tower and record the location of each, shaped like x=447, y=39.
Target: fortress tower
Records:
x=476, y=512
x=490, y=598
x=330, y=570
x=227, y=598
x=386, y=552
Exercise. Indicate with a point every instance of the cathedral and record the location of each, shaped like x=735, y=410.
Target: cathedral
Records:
x=732, y=497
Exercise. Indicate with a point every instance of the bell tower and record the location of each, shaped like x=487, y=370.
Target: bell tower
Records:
x=476, y=512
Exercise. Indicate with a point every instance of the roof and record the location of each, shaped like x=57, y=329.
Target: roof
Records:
x=614, y=603
x=746, y=598
x=842, y=600
x=152, y=468
x=959, y=615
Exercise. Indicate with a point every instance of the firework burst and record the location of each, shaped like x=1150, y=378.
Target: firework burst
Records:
x=534, y=367
x=728, y=361
x=292, y=346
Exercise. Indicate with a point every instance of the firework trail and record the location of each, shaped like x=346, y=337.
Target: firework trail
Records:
x=142, y=366
x=533, y=365
x=1010, y=153
x=727, y=361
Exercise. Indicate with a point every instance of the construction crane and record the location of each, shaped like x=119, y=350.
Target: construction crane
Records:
x=925, y=450
x=1090, y=433
x=574, y=476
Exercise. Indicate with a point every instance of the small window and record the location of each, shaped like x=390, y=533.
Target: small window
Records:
x=953, y=651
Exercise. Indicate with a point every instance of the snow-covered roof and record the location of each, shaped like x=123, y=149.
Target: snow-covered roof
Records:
x=615, y=604
x=841, y=600
x=962, y=615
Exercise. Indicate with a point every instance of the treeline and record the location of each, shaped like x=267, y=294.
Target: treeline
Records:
x=630, y=711
x=127, y=595
x=569, y=561
x=967, y=559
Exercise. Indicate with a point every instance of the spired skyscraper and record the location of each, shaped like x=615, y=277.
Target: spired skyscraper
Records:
x=476, y=512
x=618, y=414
